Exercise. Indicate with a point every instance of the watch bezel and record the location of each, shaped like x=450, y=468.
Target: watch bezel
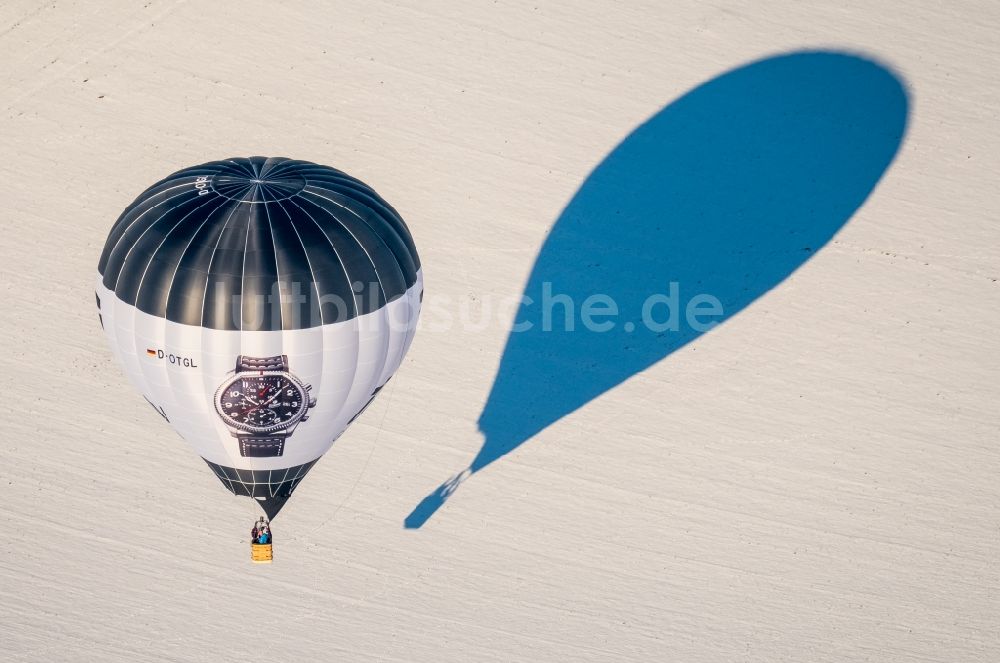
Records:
x=259, y=430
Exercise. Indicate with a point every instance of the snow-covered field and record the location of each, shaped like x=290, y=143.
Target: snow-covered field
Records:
x=816, y=479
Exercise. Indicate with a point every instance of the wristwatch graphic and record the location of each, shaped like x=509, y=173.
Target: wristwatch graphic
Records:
x=262, y=404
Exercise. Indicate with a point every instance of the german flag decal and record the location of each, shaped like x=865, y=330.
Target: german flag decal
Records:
x=151, y=353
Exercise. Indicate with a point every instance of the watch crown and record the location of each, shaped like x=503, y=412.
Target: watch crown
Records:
x=312, y=402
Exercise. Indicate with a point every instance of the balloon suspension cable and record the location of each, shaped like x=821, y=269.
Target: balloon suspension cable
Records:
x=364, y=468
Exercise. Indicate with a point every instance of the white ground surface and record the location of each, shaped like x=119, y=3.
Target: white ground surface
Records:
x=835, y=498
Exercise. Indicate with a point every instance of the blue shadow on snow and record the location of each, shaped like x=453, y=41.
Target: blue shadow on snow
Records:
x=726, y=191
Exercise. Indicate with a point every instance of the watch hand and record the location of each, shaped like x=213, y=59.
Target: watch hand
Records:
x=270, y=399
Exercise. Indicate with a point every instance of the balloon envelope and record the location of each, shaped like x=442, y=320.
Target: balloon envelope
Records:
x=259, y=304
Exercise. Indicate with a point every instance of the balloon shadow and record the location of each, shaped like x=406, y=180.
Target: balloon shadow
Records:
x=702, y=209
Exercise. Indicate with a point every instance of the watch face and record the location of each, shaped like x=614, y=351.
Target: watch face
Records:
x=261, y=402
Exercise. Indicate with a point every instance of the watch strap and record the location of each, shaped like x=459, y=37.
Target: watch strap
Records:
x=275, y=363
x=261, y=447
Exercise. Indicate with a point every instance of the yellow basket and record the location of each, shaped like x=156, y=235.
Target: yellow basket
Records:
x=260, y=553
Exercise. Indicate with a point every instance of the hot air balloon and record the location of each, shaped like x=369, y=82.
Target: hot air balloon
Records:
x=259, y=305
